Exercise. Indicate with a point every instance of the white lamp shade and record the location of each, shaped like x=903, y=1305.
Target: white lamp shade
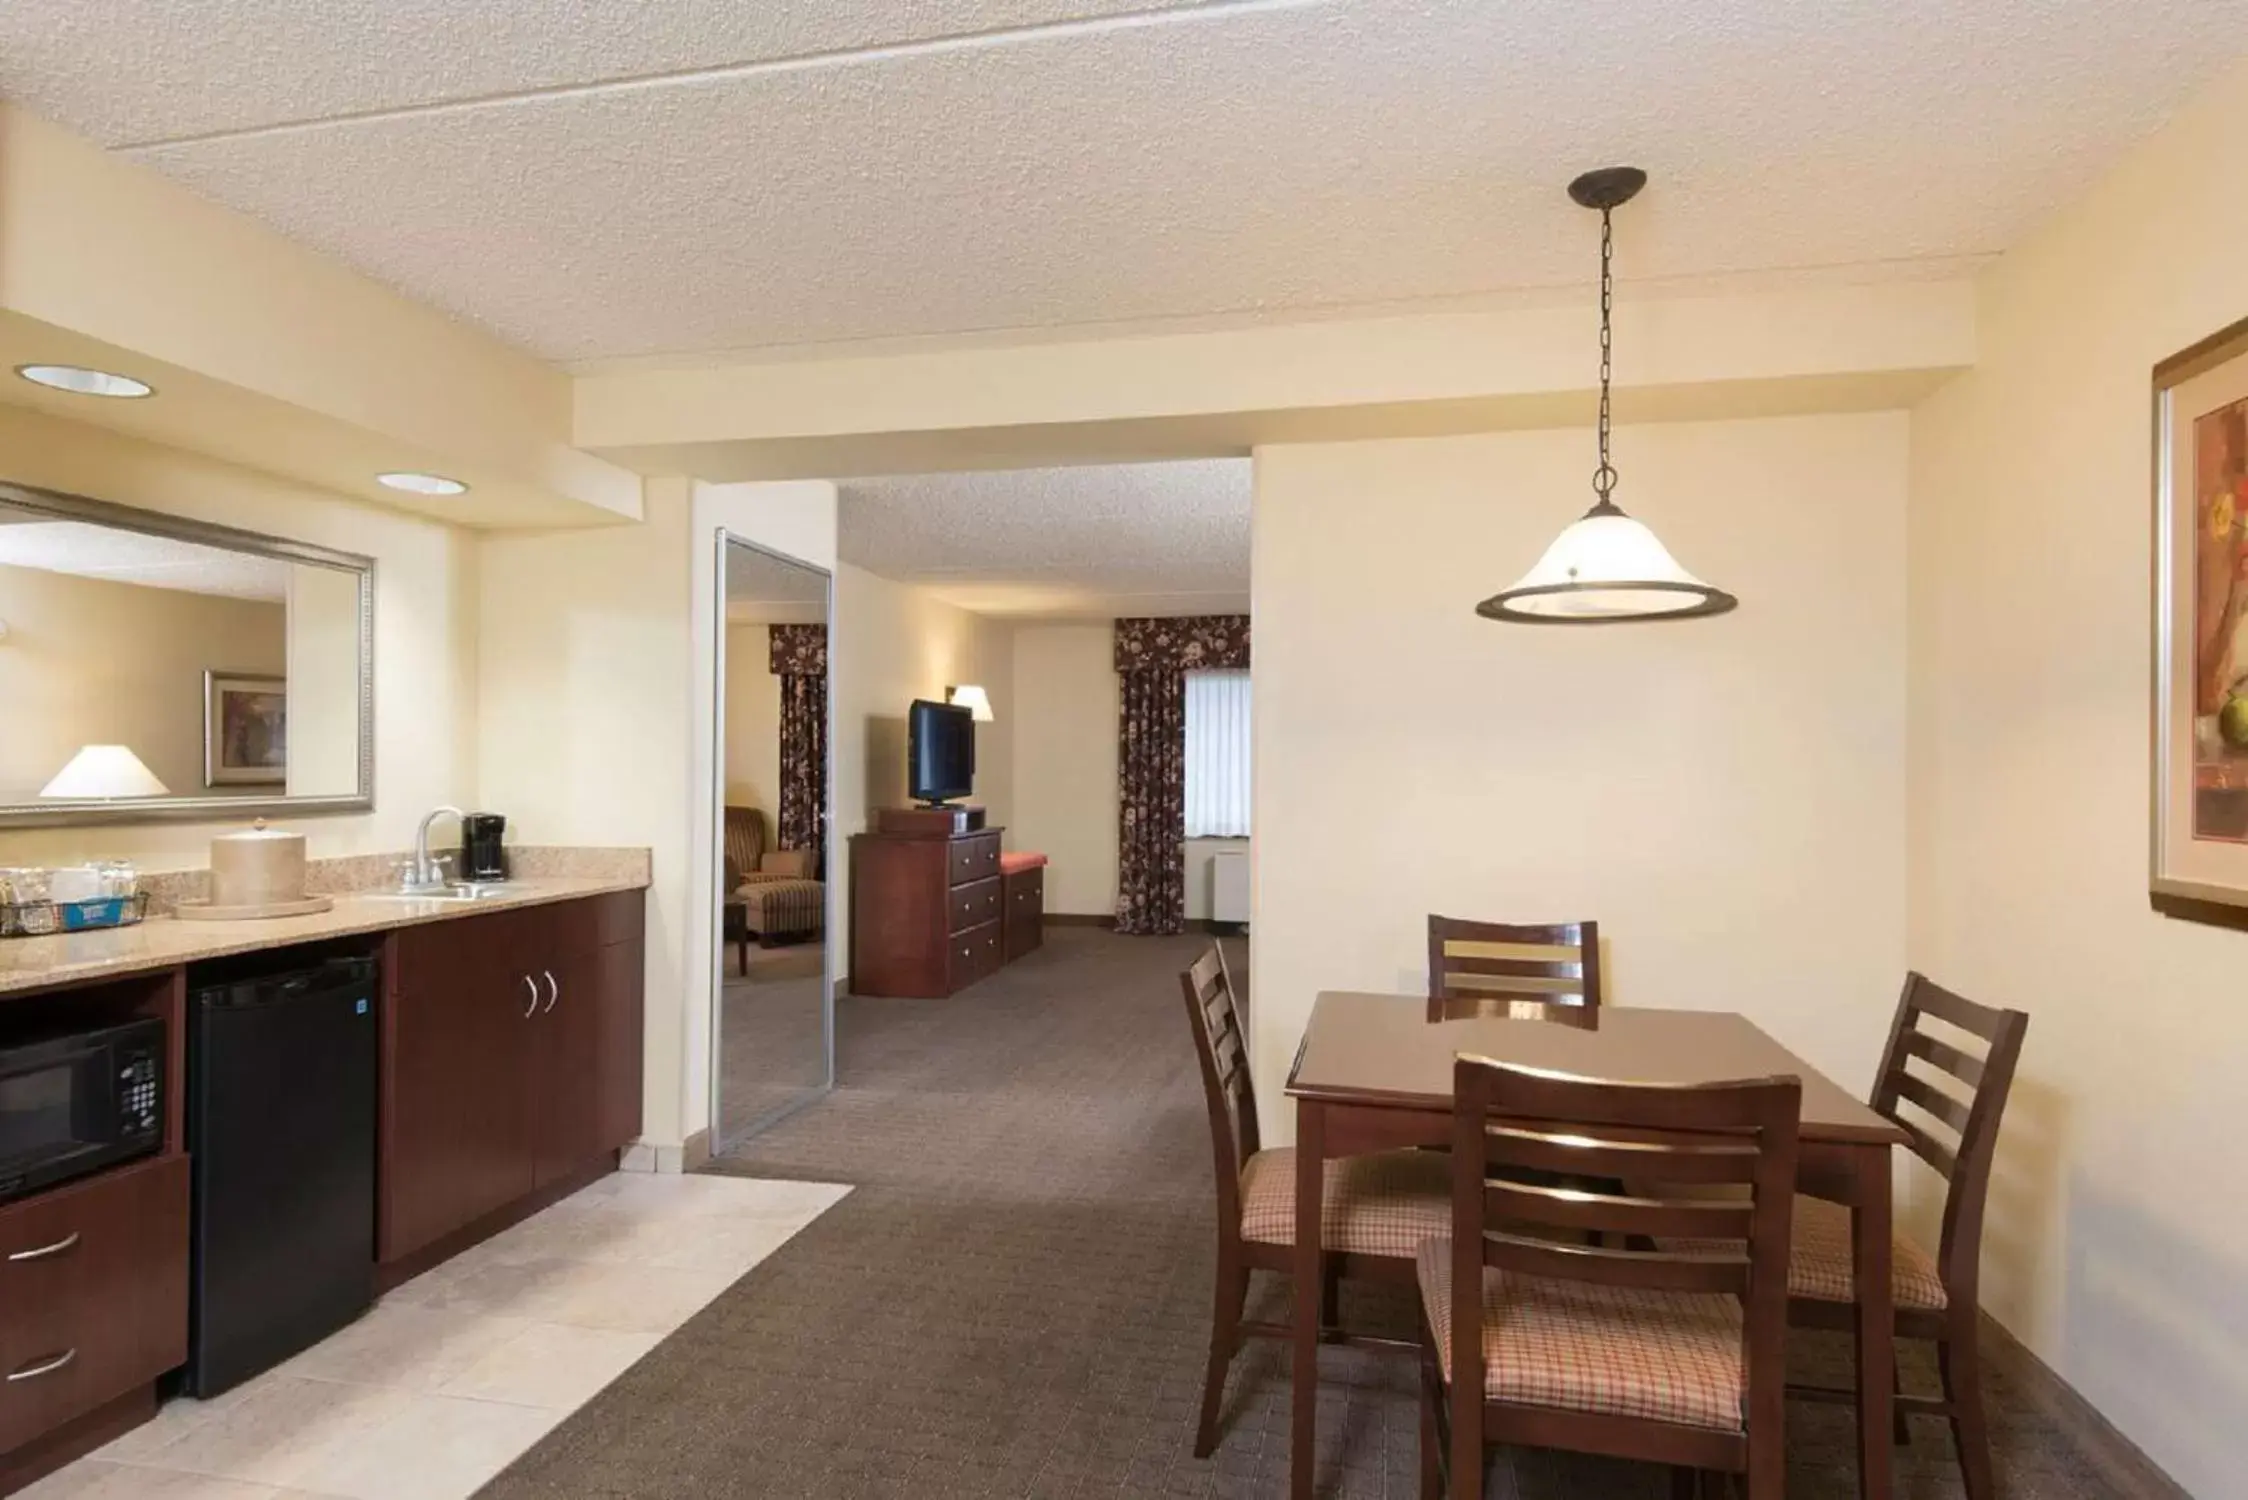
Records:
x=972, y=698
x=1606, y=566
x=105, y=771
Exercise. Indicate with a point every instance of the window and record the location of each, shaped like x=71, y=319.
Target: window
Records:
x=1217, y=755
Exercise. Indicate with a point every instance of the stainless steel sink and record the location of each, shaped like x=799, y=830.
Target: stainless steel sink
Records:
x=452, y=890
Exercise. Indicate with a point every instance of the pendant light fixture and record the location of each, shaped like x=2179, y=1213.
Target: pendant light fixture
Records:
x=1606, y=567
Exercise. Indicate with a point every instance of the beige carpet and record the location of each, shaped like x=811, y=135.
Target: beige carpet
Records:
x=1015, y=1302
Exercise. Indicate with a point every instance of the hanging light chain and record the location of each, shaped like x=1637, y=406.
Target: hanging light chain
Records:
x=1604, y=477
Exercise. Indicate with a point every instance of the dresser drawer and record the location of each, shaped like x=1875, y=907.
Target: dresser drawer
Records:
x=975, y=954
x=93, y=1294
x=977, y=902
x=975, y=858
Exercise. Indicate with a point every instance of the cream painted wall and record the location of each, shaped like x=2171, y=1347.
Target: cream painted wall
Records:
x=1065, y=770
x=1064, y=729
x=2117, y=1246
x=584, y=677
x=425, y=631
x=1726, y=797
x=894, y=643
x=753, y=722
x=1706, y=352
x=88, y=661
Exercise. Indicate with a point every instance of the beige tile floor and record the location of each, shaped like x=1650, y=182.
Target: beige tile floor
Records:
x=452, y=1375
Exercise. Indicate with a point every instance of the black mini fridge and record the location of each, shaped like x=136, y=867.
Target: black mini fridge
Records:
x=281, y=1133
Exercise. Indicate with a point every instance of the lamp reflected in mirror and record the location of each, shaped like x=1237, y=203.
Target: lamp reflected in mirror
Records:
x=104, y=773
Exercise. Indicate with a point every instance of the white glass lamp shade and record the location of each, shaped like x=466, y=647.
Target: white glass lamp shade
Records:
x=972, y=698
x=1605, y=567
x=105, y=771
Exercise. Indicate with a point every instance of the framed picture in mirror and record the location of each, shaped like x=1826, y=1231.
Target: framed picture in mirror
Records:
x=245, y=729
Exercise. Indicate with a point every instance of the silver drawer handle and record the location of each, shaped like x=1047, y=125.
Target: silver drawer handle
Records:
x=57, y=1248
x=44, y=1367
x=533, y=986
x=553, y=990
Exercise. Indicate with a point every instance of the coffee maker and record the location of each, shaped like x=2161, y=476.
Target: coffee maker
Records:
x=483, y=850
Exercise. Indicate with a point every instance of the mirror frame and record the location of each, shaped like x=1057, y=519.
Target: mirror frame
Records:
x=831, y=959
x=60, y=814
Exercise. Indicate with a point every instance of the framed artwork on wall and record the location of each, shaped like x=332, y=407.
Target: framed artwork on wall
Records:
x=2200, y=760
x=245, y=729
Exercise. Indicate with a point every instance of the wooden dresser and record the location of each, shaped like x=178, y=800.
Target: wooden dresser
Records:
x=930, y=914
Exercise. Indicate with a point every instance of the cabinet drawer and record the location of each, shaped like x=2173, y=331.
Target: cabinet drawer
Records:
x=576, y=929
x=976, y=903
x=93, y=1294
x=974, y=954
x=975, y=858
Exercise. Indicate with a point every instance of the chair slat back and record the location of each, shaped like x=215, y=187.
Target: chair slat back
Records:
x=1498, y=962
x=1507, y=1119
x=1222, y=1047
x=1949, y=1101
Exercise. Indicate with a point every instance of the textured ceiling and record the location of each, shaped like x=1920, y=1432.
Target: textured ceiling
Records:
x=763, y=588
x=1085, y=543
x=787, y=174
x=159, y=562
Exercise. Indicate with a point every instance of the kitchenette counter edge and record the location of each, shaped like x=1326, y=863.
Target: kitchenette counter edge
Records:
x=46, y=963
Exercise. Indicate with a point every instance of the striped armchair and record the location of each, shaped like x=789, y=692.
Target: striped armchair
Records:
x=745, y=845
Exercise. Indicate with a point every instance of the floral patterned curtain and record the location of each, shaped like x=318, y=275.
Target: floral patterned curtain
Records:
x=1153, y=658
x=799, y=649
x=1191, y=643
x=799, y=659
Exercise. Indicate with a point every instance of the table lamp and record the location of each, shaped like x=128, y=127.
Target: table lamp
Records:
x=103, y=772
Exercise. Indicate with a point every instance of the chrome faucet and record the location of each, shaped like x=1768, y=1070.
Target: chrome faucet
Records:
x=425, y=874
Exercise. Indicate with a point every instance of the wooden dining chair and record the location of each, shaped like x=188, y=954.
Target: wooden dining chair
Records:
x=1375, y=1210
x=1666, y=1356
x=1955, y=1130
x=1506, y=963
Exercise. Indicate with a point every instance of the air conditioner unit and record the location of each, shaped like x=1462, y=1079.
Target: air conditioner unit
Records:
x=1229, y=887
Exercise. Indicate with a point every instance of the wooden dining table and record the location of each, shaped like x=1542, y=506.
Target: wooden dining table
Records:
x=1374, y=1072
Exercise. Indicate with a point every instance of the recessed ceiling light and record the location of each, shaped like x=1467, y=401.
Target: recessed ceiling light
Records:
x=422, y=484
x=80, y=381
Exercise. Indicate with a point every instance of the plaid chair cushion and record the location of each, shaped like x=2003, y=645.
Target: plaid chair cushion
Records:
x=1819, y=1262
x=1660, y=1356
x=1384, y=1203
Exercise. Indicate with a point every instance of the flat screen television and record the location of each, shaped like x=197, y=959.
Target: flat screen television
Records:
x=940, y=752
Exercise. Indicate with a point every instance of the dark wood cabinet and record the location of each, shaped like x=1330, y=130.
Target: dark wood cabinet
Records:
x=93, y=1295
x=1024, y=898
x=456, y=1074
x=510, y=1072
x=512, y=1060
x=932, y=910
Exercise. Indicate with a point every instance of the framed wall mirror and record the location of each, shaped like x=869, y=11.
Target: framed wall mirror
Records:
x=155, y=667
x=775, y=1020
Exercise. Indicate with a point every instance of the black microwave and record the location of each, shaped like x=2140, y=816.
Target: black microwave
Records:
x=74, y=1102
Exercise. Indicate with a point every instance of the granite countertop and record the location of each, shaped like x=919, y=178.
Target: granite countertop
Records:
x=166, y=942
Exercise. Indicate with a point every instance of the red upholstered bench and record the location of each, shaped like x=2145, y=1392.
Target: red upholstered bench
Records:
x=1019, y=861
